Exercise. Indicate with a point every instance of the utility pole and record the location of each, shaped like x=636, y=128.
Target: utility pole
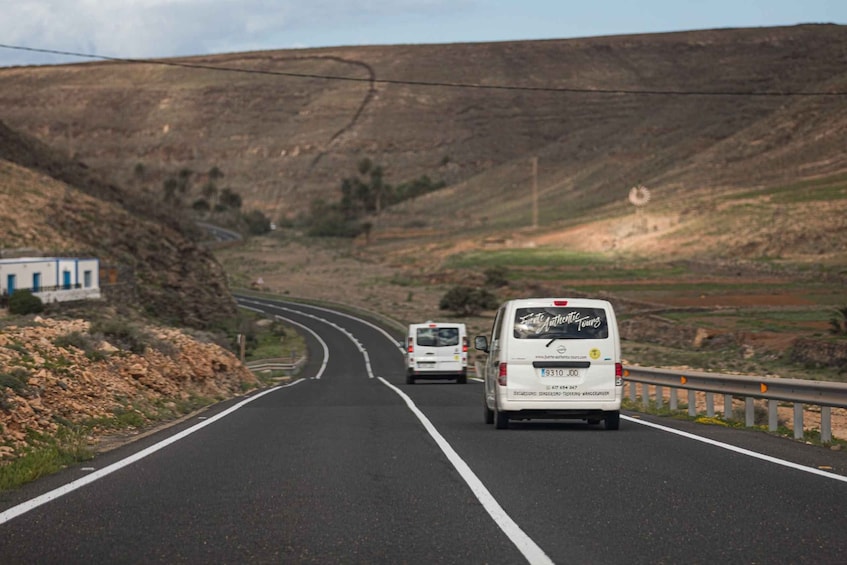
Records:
x=534, y=192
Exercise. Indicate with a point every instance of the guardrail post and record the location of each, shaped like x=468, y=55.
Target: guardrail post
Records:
x=773, y=415
x=749, y=412
x=798, y=420
x=826, y=424
x=692, y=403
x=674, y=399
x=660, y=396
x=633, y=390
x=645, y=395
x=727, y=407
x=710, y=404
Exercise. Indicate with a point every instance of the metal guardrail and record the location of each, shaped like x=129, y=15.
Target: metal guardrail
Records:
x=826, y=395
x=278, y=364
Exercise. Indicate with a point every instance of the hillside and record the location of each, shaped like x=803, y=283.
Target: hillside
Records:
x=51, y=205
x=689, y=113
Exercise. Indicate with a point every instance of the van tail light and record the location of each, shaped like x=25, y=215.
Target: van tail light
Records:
x=411, y=347
x=465, y=344
x=501, y=376
x=618, y=374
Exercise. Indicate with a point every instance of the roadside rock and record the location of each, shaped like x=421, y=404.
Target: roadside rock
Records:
x=45, y=382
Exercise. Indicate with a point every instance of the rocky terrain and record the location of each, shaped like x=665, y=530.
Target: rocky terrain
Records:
x=56, y=375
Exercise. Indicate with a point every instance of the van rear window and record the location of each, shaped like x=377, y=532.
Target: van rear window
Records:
x=437, y=337
x=561, y=323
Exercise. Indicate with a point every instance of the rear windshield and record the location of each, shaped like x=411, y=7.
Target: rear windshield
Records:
x=558, y=322
x=438, y=337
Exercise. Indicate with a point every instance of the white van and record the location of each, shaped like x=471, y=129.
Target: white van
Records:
x=557, y=358
x=437, y=350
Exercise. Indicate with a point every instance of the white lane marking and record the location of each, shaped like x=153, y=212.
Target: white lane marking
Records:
x=530, y=550
x=31, y=504
x=740, y=450
x=308, y=329
x=341, y=329
x=533, y=553
x=399, y=345
x=317, y=337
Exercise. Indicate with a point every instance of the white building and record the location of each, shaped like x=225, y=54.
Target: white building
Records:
x=52, y=279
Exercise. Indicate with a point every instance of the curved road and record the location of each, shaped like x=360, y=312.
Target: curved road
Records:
x=351, y=465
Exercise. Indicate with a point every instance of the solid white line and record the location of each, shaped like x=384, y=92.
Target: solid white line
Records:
x=533, y=553
x=31, y=504
x=317, y=337
x=740, y=450
x=530, y=550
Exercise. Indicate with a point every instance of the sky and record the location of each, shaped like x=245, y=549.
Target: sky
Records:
x=141, y=29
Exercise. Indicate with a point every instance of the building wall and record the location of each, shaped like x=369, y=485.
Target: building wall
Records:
x=52, y=279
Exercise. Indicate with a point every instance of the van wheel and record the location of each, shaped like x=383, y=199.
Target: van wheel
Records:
x=489, y=414
x=410, y=379
x=612, y=420
x=462, y=379
x=501, y=419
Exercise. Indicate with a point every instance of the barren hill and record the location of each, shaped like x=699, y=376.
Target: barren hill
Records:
x=689, y=114
x=51, y=205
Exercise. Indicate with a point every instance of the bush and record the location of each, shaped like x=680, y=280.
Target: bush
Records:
x=838, y=322
x=23, y=302
x=467, y=301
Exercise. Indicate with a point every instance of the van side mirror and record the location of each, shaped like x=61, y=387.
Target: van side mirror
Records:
x=480, y=342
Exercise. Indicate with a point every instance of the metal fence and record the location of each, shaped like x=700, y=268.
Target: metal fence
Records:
x=278, y=364
x=801, y=394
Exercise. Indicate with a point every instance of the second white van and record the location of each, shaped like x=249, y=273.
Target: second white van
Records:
x=437, y=350
x=553, y=358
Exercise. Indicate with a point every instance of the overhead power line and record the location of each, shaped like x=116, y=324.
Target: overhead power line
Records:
x=626, y=91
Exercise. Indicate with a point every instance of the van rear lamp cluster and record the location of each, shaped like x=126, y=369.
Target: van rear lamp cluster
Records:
x=618, y=374
x=465, y=344
x=501, y=375
x=411, y=347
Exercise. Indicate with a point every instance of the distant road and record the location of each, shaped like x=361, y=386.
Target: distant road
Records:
x=219, y=234
x=351, y=465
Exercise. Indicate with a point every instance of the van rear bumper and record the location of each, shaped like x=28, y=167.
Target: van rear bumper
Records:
x=437, y=374
x=548, y=409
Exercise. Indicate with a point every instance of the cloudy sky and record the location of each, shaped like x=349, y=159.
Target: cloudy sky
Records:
x=165, y=28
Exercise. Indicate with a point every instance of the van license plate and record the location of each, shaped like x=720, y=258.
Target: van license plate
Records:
x=557, y=372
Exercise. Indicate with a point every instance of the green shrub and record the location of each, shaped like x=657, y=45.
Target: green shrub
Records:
x=122, y=334
x=467, y=301
x=23, y=302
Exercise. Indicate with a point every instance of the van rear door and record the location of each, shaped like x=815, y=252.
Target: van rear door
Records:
x=438, y=348
x=563, y=351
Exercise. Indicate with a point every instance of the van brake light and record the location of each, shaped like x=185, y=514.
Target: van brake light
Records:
x=560, y=303
x=501, y=375
x=465, y=344
x=411, y=348
x=618, y=374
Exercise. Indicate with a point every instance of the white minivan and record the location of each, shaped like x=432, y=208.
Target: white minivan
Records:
x=437, y=350
x=556, y=358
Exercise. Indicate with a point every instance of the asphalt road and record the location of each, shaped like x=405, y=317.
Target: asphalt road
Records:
x=351, y=465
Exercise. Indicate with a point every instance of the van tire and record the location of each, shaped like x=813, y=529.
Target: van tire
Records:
x=489, y=414
x=462, y=379
x=501, y=419
x=410, y=378
x=612, y=420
